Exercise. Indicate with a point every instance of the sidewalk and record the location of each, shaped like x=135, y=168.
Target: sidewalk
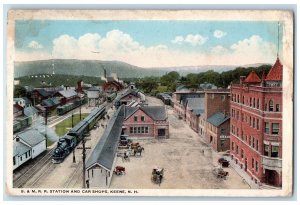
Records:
x=242, y=173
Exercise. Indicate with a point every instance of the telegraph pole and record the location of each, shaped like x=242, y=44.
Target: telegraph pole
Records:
x=46, y=120
x=74, y=159
x=83, y=163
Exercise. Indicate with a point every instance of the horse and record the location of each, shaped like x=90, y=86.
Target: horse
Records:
x=139, y=150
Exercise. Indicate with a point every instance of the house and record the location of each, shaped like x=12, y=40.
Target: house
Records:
x=33, y=139
x=194, y=108
x=218, y=131
x=67, y=96
x=31, y=112
x=146, y=121
x=50, y=105
x=39, y=94
x=112, y=86
x=101, y=162
x=20, y=102
x=21, y=154
x=256, y=125
x=18, y=111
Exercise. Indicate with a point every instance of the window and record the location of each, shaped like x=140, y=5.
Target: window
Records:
x=134, y=129
x=257, y=145
x=237, y=132
x=139, y=130
x=250, y=102
x=242, y=153
x=243, y=100
x=142, y=130
x=257, y=104
x=143, y=118
x=267, y=127
x=232, y=146
x=277, y=108
x=26, y=155
x=223, y=97
x=146, y=130
x=275, y=128
x=242, y=117
x=252, y=162
x=253, y=122
x=266, y=107
x=266, y=150
x=238, y=99
x=237, y=149
x=257, y=124
x=14, y=159
x=21, y=158
x=253, y=102
x=274, y=151
x=250, y=121
x=131, y=130
x=253, y=142
x=29, y=153
x=256, y=166
x=237, y=115
x=135, y=118
x=222, y=131
x=271, y=106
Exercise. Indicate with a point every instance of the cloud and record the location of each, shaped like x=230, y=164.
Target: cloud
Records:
x=219, y=34
x=34, y=45
x=191, y=39
x=120, y=46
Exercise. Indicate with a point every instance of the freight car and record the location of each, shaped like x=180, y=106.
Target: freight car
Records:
x=61, y=110
x=67, y=143
x=21, y=123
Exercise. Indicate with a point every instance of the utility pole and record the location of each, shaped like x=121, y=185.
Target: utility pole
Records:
x=80, y=110
x=74, y=159
x=46, y=120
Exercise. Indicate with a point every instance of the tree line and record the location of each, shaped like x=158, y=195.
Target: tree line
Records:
x=169, y=81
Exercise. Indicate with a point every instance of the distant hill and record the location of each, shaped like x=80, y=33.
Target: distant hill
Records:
x=95, y=68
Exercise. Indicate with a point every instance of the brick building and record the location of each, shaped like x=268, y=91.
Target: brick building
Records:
x=256, y=125
x=112, y=86
x=147, y=121
x=218, y=131
x=216, y=100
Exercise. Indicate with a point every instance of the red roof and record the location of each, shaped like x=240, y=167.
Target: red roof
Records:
x=276, y=71
x=252, y=78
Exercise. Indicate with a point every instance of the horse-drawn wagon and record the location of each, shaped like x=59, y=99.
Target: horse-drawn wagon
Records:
x=119, y=170
x=157, y=175
x=220, y=173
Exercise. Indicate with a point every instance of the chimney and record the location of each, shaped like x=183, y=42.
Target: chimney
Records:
x=17, y=139
x=242, y=78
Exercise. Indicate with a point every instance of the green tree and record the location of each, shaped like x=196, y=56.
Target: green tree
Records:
x=19, y=91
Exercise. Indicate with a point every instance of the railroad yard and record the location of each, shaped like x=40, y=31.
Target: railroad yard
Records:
x=187, y=163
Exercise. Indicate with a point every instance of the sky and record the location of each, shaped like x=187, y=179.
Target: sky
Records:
x=149, y=43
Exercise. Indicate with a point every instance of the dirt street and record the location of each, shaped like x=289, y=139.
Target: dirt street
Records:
x=187, y=161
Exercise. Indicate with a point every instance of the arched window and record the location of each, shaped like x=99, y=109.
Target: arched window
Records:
x=254, y=102
x=243, y=99
x=257, y=103
x=271, y=106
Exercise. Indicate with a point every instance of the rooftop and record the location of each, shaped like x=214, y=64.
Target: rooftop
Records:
x=218, y=119
x=195, y=103
x=68, y=93
x=155, y=112
x=32, y=137
x=275, y=74
x=20, y=148
x=105, y=150
x=252, y=78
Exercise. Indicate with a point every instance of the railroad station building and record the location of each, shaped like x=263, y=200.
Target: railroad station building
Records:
x=256, y=125
x=146, y=121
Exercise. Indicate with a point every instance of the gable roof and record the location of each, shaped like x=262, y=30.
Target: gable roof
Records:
x=68, y=93
x=155, y=112
x=20, y=148
x=252, y=78
x=32, y=137
x=50, y=102
x=43, y=92
x=195, y=103
x=217, y=119
x=198, y=111
x=106, y=149
x=275, y=74
x=29, y=111
x=93, y=88
x=27, y=101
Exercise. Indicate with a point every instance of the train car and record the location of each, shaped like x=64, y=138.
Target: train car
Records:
x=67, y=143
x=61, y=110
x=111, y=97
x=16, y=126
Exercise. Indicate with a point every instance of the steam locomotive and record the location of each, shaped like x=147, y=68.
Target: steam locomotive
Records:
x=67, y=143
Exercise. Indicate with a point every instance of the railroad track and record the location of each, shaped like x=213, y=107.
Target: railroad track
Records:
x=22, y=179
x=75, y=176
